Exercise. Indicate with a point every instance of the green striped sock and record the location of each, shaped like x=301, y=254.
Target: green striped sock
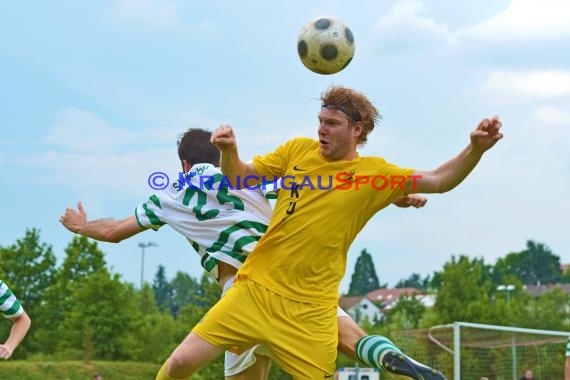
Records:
x=371, y=348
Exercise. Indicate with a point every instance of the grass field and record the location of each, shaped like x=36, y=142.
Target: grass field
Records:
x=76, y=370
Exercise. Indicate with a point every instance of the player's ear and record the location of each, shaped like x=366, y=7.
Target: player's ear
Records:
x=357, y=129
x=185, y=166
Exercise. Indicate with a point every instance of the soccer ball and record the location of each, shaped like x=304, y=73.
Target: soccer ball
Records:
x=325, y=45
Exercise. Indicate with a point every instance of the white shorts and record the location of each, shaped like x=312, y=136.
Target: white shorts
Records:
x=236, y=364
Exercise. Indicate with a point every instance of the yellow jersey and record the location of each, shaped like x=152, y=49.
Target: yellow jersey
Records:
x=321, y=207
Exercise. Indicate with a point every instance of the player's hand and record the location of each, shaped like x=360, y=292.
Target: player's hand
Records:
x=223, y=137
x=74, y=220
x=5, y=352
x=486, y=134
x=414, y=200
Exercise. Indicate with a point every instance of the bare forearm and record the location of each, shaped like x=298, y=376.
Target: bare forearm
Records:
x=19, y=330
x=454, y=171
x=101, y=229
x=232, y=167
x=567, y=369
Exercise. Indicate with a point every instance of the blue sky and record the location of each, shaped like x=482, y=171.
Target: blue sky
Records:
x=94, y=93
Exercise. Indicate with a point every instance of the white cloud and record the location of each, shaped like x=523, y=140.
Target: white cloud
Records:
x=523, y=85
x=523, y=20
x=409, y=17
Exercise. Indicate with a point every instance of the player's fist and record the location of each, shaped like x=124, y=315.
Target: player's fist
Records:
x=223, y=137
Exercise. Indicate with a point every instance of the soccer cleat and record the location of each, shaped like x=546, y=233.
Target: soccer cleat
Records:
x=399, y=364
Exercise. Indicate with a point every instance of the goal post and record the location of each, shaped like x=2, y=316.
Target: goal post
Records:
x=489, y=351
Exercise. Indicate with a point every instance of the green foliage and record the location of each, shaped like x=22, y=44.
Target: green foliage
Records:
x=407, y=313
x=82, y=311
x=464, y=293
x=547, y=312
x=184, y=291
x=28, y=269
x=162, y=290
x=364, y=278
x=414, y=281
x=534, y=265
x=83, y=259
x=100, y=319
x=76, y=370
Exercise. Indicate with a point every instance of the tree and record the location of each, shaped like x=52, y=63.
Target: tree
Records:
x=364, y=278
x=464, y=292
x=407, y=313
x=99, y=323
x=28, y=268
x=151, y=325
x=547, y=313
x=162, y=290
x=535, y=264
x=83, y=258
x=185, y=289
x=414, y=281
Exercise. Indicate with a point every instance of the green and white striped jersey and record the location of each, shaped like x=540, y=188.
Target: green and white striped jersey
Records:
x=221, y=224
x=9, y=304
x=568, y=347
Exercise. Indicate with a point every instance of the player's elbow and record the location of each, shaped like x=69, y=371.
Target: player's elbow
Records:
x=24, y=321
x=429, y=183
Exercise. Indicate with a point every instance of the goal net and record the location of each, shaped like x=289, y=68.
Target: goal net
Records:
x=472, y=351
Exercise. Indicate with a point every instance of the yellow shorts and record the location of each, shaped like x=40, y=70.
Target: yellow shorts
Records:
x=301, y=337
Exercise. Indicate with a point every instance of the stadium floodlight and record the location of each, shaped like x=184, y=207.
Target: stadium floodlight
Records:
x=509, y=288
x=142, y=246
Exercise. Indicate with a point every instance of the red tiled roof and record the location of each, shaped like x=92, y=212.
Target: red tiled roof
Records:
x=385, y=295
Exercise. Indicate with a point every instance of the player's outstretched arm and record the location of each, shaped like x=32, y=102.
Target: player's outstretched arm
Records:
x=109, y=230
x=414, y=200
x=232, y=166
x=20, y=327
x=454, y=171
x=567, y=369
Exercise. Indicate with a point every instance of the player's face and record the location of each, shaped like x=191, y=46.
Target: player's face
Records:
x=336, y=135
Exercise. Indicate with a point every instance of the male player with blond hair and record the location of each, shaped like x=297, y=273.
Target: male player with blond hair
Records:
x=288, y=287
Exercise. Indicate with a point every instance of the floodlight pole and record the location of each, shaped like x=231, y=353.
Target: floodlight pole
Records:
x=509, y=288
x=142, y=246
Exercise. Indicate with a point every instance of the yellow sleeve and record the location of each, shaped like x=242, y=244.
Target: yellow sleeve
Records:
x=275, y=164
x=397, y=178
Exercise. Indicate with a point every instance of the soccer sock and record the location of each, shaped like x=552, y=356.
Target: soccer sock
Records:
x=162, y=375
x=370, y=349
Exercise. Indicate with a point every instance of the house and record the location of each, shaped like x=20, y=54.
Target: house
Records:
x=361, y=308
x=538, y=290
x=387, y=298
x=375, y=304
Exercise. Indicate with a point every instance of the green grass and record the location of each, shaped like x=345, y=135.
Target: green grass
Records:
x=76, y=370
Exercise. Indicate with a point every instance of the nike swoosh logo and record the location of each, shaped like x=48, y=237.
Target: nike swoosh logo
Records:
x=299, y=169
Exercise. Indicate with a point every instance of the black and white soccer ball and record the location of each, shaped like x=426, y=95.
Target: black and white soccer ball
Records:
x=325, y=45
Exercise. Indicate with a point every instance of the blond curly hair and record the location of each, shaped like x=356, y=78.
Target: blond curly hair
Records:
x=355, y=105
